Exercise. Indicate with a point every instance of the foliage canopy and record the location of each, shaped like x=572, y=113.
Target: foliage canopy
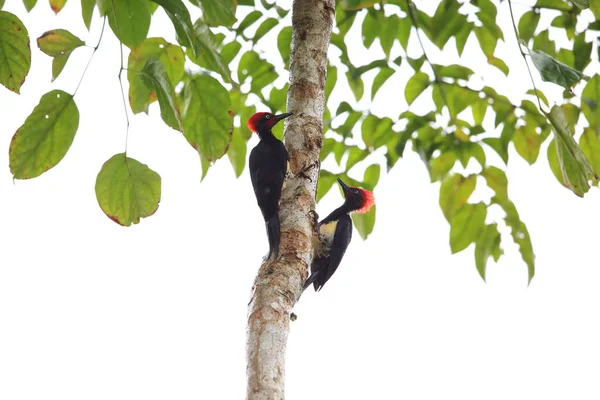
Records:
x=460, y=122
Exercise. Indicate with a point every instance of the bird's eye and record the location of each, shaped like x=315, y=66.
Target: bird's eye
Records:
x=268, y=116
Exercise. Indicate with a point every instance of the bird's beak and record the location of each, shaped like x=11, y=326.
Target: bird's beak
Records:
x=282, y=116
x=345, y=188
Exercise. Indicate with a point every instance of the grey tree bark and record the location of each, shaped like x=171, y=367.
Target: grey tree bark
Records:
x=279, y=283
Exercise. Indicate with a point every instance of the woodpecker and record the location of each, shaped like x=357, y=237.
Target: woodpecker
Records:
x=335, y=233
x=268, y=168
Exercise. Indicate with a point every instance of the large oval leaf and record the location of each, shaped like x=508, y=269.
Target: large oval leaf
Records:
x=172, y=59
x=207, y=117
x=45, y=137
x=15, y=55
x=129, y=20
x=127, y=190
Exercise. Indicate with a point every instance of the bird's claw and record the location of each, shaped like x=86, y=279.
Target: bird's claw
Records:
x=307, y=168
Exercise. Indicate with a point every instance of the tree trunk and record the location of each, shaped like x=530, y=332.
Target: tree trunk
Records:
x=279, y=283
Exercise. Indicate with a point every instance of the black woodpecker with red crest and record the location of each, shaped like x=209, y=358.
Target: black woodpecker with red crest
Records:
x=268, y=168
x=335, y=233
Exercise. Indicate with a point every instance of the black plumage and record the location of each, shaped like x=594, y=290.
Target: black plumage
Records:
x=268, y=167
x=335, y=234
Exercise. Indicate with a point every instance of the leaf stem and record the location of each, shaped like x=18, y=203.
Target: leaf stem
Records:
x=512, y=18
x=95, y=48
x=123, y=97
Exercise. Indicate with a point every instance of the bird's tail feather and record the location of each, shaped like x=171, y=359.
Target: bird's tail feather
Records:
x=273, y=233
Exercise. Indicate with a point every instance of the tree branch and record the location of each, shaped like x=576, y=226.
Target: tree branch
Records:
x=279, y=283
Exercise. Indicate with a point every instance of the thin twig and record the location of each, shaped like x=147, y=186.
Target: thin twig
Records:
x=512, y=18
x=95, y=48
x=123, y=97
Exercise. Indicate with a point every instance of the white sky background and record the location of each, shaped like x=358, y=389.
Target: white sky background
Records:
x=92, y=310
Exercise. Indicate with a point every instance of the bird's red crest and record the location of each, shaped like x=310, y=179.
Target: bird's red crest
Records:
x=254, y=120
x=368, y=201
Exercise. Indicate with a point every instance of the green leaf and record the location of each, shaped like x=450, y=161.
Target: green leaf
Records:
x=462, y=36
x=218, y=12
x=376, y=131
x=87, y=12
x=590, y=145
x=170, y=56
x=331, y=80
x=583, y=4
x=441, y=165
x=455, y=191
x=57, y=5
x=527, y=25
x=230, y=50
x=182, y=22
x=575, y=168
x=154, y=76
x=371, y=177
x=388, y=31
x=498, y=63
x=415, y=86
x=416, y=63
x=207, y=117
x=29, y=4
x=479, y=108
x=357, y=4
x=487, y=245
x=356, y=85
x=326, y=181
x=284, y=43
x=382, y=76
x=595, y=7
x=582, y=51
x=208, y=55
x=458, y=98
x=404, y=28
x=261, y=72
x=15, y=55
x=466, y=226
x=45, y=137
x=127, y=190
x=364, y=223
x=59, y=44
x=237, y=152
x=590, y=99
x=497, y=181
x=129, y=20
x=487, y=40
x=370, y=28
x=446, y=22
x=538, y=93
x=249, y=20
x=553, y=71
x=527, y=143
x=264, y=28
x=453, y=71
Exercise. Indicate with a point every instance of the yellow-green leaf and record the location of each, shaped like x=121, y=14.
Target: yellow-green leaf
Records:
x=59, y=44
x=415, y=86
x=45, y=137
x=127, y=190
x=57, y=5
x=207, y=117
x=364, y=223
x=466, y=225
x=172, y=59
x=15, y=55
x=455, y=191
